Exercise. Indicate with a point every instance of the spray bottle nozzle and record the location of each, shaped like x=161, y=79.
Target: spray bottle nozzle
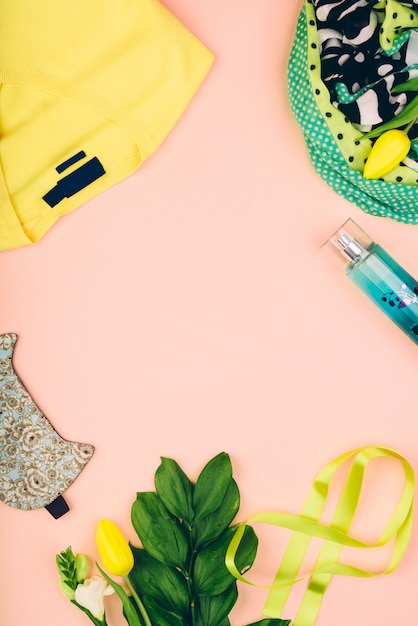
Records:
x=351, y=247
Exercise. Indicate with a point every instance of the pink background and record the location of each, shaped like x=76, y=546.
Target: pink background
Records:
x=190, y=310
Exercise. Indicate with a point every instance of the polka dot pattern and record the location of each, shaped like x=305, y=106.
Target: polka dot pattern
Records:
x=334, y=144
x=397, y=18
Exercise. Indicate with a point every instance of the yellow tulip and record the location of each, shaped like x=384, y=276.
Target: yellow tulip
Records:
x=114, y=550
x=387, y=152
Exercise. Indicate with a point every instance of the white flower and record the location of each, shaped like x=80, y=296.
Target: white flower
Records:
x=90, y=595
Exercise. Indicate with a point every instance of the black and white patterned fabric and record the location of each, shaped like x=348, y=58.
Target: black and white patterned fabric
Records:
x=366, y=49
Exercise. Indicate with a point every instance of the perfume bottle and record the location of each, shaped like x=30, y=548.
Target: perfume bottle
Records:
x=371, y=268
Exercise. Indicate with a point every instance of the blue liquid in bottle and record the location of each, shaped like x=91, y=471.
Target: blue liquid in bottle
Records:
x=380, y=277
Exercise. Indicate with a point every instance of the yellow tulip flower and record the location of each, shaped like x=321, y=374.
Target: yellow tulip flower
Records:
x=114, y=550
x=387, y=152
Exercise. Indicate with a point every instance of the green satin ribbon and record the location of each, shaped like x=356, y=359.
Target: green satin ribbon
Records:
x=335, y=536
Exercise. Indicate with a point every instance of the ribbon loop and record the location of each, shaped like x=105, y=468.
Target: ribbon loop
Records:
x=335, y=535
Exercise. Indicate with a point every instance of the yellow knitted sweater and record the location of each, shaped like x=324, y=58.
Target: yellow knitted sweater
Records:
x=89, y=89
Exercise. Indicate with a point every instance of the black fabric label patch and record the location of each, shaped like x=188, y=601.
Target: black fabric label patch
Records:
x=76, y=180
x=77, y=157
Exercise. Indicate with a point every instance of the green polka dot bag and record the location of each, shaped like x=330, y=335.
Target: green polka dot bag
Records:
x=333, y=142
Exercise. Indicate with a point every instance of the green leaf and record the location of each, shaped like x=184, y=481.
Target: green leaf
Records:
x=160, y=616
x=213, y=525
x=175, y=489
x=246, y=552
x=135, y=608
x=212, y=485
x=161, y=534
x=271, y=622
x=131, y=614
x=211, y=576
x=407, y=115
x=165, y=584
x=409, y=85
x=214, y=609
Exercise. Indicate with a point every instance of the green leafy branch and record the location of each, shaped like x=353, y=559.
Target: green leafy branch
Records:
x=185, y=529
